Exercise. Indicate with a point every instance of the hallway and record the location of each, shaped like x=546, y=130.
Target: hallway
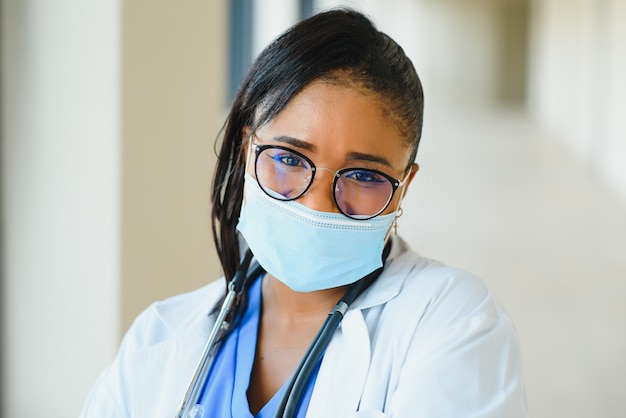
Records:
x=498, y=197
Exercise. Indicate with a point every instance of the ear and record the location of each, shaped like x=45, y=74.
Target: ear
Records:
x=414, y=169
x=245, y=138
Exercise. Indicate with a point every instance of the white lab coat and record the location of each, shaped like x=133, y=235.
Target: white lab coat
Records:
x=425, y=341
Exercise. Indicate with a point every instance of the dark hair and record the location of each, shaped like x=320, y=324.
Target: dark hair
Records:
x=340, y=45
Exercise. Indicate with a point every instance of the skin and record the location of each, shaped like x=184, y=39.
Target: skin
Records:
x=336, y=125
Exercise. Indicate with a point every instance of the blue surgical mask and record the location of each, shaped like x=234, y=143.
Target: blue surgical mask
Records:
x=306, y=249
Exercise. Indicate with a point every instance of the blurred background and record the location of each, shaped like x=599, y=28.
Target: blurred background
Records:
x=110, y=110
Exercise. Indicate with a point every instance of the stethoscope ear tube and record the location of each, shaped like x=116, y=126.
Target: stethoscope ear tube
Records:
x=188, y=408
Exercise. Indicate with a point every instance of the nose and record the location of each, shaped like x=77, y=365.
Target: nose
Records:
x=319, y=196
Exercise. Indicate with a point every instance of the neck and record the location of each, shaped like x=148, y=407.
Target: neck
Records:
x=294, y=306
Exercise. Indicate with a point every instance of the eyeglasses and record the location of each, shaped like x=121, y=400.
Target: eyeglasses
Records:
x=359, y=193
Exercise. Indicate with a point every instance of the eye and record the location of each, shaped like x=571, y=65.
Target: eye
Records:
x=365, y=176
x=288, y=159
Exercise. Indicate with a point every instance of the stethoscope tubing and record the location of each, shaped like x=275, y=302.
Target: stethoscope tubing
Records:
x=194, y=391
x=290, y=402
x=293, y=395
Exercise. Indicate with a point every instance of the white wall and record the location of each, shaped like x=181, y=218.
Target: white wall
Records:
x=60, y=164
x=616, y=103
x=576, y=80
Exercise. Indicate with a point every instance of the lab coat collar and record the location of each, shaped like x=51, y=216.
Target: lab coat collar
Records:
x=391, y=280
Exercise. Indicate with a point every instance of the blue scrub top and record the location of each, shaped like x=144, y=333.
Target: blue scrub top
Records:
x=224, y=394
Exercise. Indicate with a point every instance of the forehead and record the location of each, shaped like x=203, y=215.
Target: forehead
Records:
x=338, y=118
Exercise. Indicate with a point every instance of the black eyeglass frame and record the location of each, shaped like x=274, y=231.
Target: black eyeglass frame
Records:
x=395, y=184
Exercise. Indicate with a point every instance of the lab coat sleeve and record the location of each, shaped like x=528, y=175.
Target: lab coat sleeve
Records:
x=103, y=400
x=471, y=367
x=111, y=394
x=156, y=358
x=108, y=396
x=113, y=391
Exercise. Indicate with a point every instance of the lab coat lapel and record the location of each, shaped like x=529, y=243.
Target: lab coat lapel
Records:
x=347, y=359
x=343, y=371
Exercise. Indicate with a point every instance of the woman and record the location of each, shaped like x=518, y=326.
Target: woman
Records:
x=317, y=154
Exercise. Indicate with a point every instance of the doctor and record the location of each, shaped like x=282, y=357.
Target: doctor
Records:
x=317, y=154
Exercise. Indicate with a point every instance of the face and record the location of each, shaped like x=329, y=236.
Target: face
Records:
x=338, y=126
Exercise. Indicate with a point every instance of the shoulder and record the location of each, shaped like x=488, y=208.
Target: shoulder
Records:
x=441, y=333
x=438, y=296
x=167, y=334
x=163, y=319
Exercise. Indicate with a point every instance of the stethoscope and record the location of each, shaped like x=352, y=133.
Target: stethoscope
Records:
x=290, y=402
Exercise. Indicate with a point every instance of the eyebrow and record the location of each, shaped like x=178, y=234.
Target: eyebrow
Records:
x=298, y=143
x=360, y=156
x=352, y=156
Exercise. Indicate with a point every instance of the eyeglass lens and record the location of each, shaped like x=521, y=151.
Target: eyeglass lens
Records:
x=286, y=175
